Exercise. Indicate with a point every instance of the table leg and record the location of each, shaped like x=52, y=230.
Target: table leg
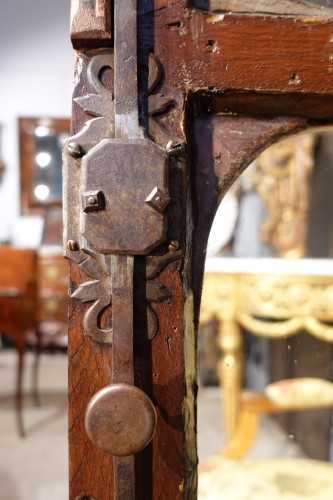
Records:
x=230, y=371
x=20, y=346
x=36, y=368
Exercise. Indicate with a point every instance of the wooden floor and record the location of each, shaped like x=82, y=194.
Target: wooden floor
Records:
x=34, y=468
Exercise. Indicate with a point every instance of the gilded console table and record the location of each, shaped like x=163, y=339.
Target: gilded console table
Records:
x=273, y=298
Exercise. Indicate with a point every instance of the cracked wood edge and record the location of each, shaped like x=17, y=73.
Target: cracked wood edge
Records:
x=283, y=7
x=215, y=55
x=90, y=23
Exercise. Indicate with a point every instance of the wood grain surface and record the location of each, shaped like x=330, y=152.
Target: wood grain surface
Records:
x=266, y=54
x=91, y=24
x=283, y=7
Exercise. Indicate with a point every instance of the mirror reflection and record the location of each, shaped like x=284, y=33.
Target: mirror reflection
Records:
x=266, y=334
x=280, y=206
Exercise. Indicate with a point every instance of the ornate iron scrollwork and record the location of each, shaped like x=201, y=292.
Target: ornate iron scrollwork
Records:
x=100, y=105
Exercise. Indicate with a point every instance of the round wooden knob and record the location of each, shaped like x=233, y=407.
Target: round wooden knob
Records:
x=120, y=420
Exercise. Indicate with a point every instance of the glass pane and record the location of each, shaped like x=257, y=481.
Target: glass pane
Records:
x=268, y=268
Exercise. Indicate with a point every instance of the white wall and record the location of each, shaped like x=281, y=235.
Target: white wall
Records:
x=35, y=80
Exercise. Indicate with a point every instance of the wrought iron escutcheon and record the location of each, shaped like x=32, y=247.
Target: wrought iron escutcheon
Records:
x=123, y=179
x=124, y=193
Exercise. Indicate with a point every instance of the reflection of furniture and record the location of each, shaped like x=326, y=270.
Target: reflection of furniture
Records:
x=288, y=395
x=18, y=306
x=273, y=479
x=296, y=294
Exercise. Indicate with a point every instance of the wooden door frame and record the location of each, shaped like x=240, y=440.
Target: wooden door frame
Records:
x=249, y=80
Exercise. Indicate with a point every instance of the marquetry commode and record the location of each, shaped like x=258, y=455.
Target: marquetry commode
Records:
x=52, y=283
x=273, y=298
